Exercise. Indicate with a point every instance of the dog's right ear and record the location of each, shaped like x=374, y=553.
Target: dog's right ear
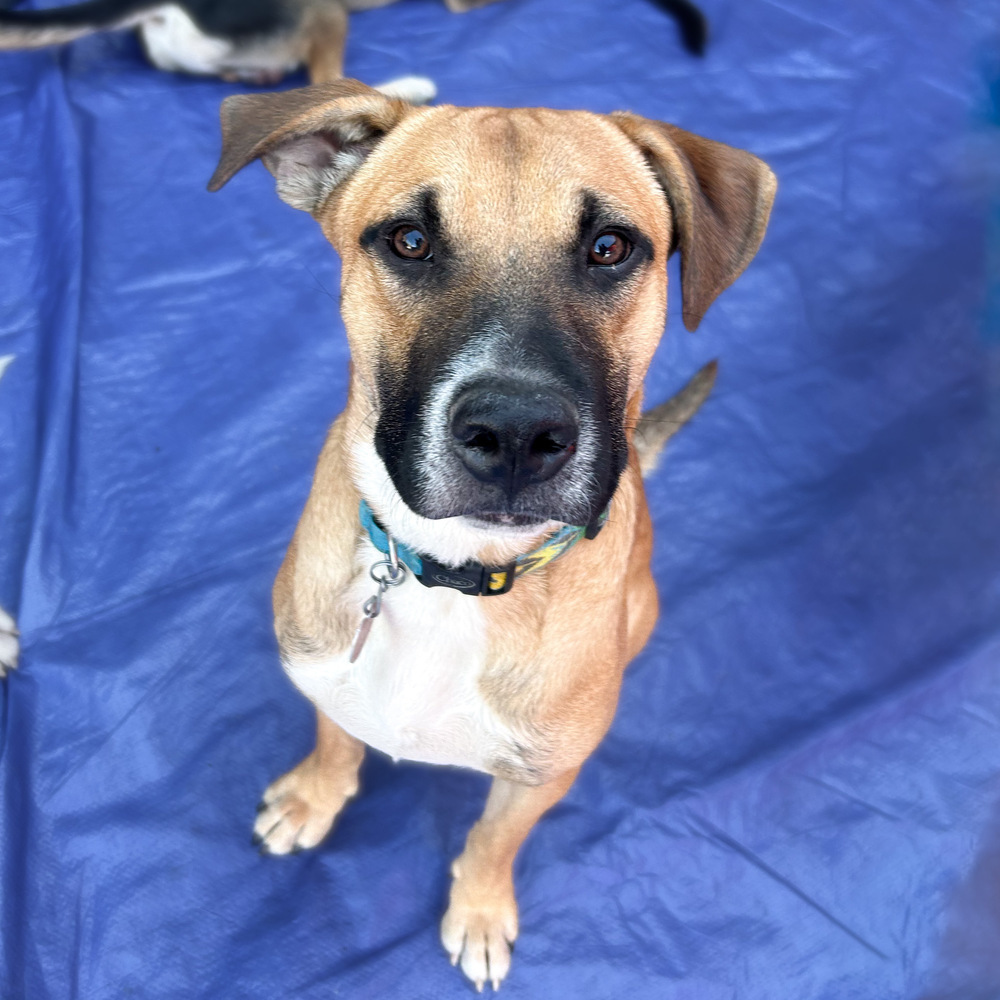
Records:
x=310, y=139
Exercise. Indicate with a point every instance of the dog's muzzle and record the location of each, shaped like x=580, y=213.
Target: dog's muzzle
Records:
x=514, y=429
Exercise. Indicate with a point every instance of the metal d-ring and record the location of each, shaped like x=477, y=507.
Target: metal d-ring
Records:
x=395, y=571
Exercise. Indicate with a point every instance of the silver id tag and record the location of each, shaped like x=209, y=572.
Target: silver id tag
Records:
x=362, y=631
x=386, y=573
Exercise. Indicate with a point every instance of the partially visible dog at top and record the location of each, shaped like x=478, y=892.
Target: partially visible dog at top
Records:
x=471, y=573
x=257, y=41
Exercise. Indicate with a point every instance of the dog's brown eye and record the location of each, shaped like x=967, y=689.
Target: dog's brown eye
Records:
x=609, y=249
x=410, y=243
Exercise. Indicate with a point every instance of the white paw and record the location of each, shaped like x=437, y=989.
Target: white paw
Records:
x=9, y=645
x=479, y=936
x=415, y=89
x=296, y=812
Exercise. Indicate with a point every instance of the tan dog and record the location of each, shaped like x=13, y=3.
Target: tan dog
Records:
x=504, y=289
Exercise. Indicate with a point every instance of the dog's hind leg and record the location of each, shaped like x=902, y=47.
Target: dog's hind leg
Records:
x=298, y=810
x=481, y=923
x=325, y=35
x=325, y=31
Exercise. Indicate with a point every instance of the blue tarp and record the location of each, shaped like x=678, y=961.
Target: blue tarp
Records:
x=800, y=796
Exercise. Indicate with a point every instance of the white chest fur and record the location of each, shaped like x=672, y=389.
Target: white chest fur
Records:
x=414, y=690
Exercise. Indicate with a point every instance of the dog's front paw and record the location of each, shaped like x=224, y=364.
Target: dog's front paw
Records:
x=297, y=811
x=9, y=645
x=479, y=929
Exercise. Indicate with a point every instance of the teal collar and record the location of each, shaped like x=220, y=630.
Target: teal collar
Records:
x=475, y=578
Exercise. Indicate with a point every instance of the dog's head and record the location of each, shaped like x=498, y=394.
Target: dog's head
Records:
x=504, y=279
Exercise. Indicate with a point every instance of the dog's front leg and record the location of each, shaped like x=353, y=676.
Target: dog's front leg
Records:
x=298, y=810
x=481, y=923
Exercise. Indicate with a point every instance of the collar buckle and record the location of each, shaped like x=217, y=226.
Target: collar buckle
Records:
x=472, y=578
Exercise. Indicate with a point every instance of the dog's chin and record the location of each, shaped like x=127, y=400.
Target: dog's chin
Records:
x=501, y=514
x=518, y=521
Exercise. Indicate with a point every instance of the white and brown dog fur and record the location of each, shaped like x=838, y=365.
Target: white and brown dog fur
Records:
x=504, y=289
x=258, y=41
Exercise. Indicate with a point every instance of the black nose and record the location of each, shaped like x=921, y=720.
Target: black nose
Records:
x=512, y=434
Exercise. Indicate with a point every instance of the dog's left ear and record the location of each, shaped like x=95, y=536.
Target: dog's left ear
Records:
x=311, y=139
x=720, y=198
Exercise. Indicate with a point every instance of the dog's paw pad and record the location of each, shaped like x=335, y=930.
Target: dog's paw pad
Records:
x=480, y=940
x=293, y=817
x=10, y=646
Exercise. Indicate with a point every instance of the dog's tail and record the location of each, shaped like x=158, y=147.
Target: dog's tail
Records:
x=33, y=29
x=658, y=425
x=691, y=22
